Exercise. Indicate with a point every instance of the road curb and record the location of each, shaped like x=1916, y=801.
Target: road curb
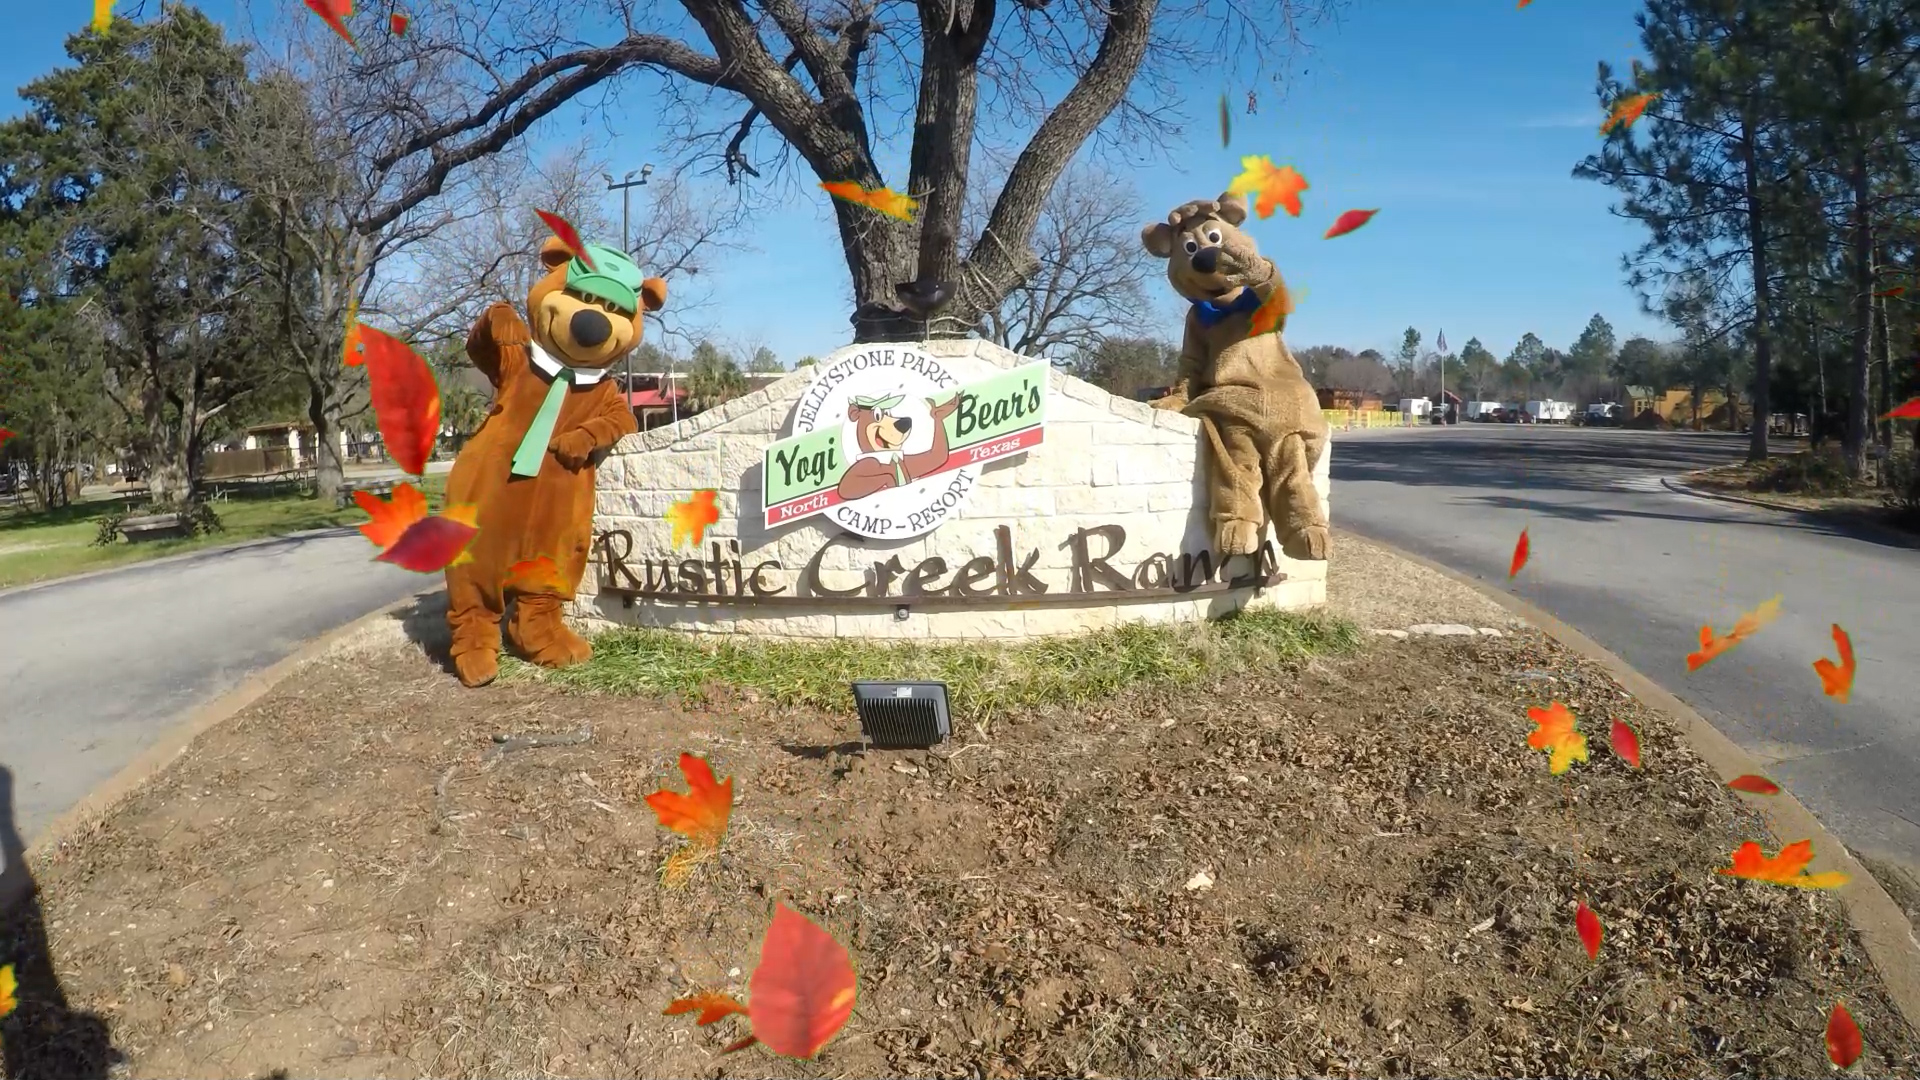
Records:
x=237, y=545
x=1883, y=927
x=180, y=735
x=1879, y=532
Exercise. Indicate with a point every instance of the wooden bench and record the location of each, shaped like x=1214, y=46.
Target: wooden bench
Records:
x=155, y=527
x=383, y=488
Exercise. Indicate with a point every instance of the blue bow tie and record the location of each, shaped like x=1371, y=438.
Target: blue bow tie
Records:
x=1211, y=313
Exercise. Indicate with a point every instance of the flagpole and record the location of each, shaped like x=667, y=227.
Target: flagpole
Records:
x=1440, y=350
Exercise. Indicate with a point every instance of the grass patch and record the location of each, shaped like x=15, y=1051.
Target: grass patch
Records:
x=41, y=545
x=1819, y=473
x=981, y=678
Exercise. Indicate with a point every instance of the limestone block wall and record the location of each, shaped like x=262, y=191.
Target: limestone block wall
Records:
x=1105, y=460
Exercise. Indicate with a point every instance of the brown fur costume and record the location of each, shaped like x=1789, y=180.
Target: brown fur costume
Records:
x=1257, y=411
x=549, y=514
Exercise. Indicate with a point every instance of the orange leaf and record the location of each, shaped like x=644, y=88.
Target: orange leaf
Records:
x=392, y=517
x=1626, y=742
x=701, y=814
x=1786, y=868
x=539, y=573
x=1558, y=733
x=1908, y=411
x=1271, y=315
x=1837, y=679
x=1748, y=624
x=1897, y=290
x=881, y=200
x=1521, y=549
x=739, y=1044
x=1754, y=785
x=691, y=518
x=397, y=22
x=1626, y=111
x=1843, y=1037
x=1275, y=186
x=8, y=984
x=406, y=400
x=803, y=990
x=1587, y=924
x=432, y=544
x=1522, y=3
x=1348, y=222
x=714, y=1007
x=102, y=18
x=333, y=13
x=564, y=229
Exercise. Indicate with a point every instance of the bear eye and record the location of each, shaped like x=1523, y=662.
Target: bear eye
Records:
x=1192, y=247
x=1213, y=237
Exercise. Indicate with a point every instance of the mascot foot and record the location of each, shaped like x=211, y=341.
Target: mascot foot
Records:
x=477, y=667
x=1232, y=537
x=1308, y=545
x=543, y=637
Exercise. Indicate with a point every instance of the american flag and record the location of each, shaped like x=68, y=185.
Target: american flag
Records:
x=1440, y=341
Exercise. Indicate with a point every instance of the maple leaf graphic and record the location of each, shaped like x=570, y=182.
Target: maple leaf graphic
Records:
x=1786, y=868
x=1749, y=623
x=881, y=200
x=690, y=518
x=1274, y=186
x=1558, y=733
x=1626, y=111
x=1837, y=679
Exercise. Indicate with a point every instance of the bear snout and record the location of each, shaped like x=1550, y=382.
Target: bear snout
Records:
x=589, y=328
x=1206, y=260
x=903, y=424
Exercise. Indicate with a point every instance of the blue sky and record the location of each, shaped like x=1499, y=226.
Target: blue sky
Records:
x=1461, y=121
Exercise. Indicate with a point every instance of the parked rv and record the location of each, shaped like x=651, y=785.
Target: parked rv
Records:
x=1549, y=411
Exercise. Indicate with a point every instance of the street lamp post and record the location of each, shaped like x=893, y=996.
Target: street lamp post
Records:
x=625, y=186
x=1440, y=351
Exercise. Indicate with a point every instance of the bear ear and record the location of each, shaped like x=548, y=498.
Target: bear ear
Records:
x=554, y=253
x=1157, y=238
x=1233, y=208
x=653, y=294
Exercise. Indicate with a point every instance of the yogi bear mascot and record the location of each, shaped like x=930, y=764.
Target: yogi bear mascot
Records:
x=530, y=467
x=1258, y=414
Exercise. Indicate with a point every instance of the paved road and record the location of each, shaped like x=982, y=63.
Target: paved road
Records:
x=93, y=671
x=1639, y=569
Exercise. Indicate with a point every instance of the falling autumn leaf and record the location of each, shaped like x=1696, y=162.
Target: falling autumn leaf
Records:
x=1587, y=924
x=1269, y=315
x=1837, y=679
x=8, y=984
x=690, y=518
x=1908, y=411
x=538, y=574
x=1785, y=868
x=701, y=814
x=406, y=400
x=392, y=517
x=432, y=544
x=803, y=990
x=4, y=436
x=102, y=15
x=1626, y=111
x=1226, y=122
x=1522, y=3
x=569, y=236
x=1897, y=290
x=1625, y=741
x=1348, y=222
x=1275, y=186
x=1558, y=733
x=882, y=200
x=1843, y=1037
x=397, y=22
x=713, y=1005
x=1745, y=627
x=1754, y=785
x=1521, y=549
x=333, y=13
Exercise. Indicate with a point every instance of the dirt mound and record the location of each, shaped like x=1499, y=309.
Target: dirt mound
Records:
x=1648, y=420
x=344, y=880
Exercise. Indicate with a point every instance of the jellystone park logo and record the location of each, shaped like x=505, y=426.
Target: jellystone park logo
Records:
x=888, y=443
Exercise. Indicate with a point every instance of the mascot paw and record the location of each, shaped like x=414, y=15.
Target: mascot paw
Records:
x=1236, y=537
x=543, y=637
x=574, y=449
x=943, y=409
x=1173, y=402
x=1310, y=544
x=478, y=667
x=562, y=648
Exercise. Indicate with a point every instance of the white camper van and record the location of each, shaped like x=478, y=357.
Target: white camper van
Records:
x=1549, y=412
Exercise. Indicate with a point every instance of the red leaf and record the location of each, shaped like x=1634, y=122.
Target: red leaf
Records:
x=1907, y=411
x=1626, y=742
x=803, y=990
x=1348, y=222
x=397, y=22
x=563, y=229
x=4, y=436
x=430, y=545
x=1843, y=1037
x=1837, y=679
x=1897, y=290
x=1588, y=926
x=714, y=1007
x=406, y=400
x=333, y=12
x=1754, y=785
x=1520, y=552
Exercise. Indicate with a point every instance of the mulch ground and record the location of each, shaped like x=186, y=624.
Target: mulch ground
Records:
x=347, y=880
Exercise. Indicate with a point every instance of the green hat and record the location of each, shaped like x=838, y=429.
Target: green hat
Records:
x=878, y=403
x=615, y=278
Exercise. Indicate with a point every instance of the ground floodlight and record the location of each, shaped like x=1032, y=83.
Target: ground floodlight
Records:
x=902, y=715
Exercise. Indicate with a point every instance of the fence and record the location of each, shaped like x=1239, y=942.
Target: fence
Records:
x=233, y=464
x=1351, y=419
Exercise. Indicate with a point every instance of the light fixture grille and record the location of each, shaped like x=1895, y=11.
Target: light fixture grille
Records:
x=902, y=715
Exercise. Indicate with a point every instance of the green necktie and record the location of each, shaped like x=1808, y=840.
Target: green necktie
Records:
x=526, y=460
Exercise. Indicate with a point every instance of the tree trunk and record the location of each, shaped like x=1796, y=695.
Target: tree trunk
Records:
x=1854, y=439
x=1762, y=291
x=1886, y=372
x=328, y=472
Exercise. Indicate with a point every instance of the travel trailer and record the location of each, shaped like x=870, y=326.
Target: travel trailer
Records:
x=1549, y=412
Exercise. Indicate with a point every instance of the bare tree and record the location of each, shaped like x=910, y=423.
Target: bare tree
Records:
x=1092, y=272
